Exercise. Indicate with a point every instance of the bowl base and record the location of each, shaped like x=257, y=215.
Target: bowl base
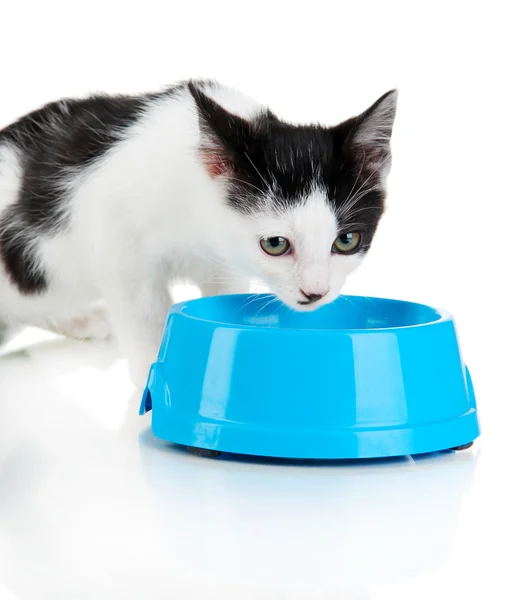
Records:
x=204, y=452
x=463, y=447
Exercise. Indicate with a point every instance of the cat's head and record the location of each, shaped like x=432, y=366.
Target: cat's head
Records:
x=309, y=198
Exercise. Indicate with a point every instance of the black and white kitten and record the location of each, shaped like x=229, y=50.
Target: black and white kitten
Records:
x=105, y=201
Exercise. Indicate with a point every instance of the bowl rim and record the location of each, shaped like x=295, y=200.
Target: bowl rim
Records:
x=443, y=317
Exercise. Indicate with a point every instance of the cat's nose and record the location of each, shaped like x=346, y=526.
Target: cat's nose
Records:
x=313, y=297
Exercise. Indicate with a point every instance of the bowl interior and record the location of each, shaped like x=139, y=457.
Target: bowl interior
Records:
x=347, y=312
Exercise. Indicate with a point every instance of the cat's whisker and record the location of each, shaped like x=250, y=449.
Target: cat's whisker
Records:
x=346, y=207
x=247, y=183
x=258, y=172
x=348, y=299
x=246, y=302
x=358, y=176
x=370, y=300
x=362, y=209
x=265, y=306
x=253, y=299
x=350, y=225
x=377, y=168
x=352, y=200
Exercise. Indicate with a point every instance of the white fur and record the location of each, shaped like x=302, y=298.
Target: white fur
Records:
x=148, y=213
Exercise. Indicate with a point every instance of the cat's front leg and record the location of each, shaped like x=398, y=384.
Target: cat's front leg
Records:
x=138, y=309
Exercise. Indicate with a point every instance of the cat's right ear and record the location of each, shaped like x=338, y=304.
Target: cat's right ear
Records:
x=366, y=138
x=223, y=134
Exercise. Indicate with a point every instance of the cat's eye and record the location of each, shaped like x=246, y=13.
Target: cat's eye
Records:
x=347, y=243
x=275, y=246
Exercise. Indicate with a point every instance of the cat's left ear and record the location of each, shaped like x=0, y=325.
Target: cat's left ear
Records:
x=224, y=135
x=368, y=140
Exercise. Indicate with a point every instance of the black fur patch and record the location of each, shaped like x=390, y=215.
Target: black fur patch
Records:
x=18, y=258
x=54, y=141
x=58, y=138
x=270, y=159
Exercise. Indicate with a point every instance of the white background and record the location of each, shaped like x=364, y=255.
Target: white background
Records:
x=444, y=240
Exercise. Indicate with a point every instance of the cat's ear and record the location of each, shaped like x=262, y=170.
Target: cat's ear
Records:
x=224, y=135
x=368, y=140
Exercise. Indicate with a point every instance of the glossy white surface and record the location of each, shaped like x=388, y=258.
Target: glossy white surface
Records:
x=92, y=506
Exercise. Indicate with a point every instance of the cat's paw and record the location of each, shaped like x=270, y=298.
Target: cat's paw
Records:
x=97, y=325
x=94, y=325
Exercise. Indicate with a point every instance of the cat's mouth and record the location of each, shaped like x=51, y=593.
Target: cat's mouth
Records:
x=305, y=302
x=307, y=306
x=304, y=305
x=308, y=299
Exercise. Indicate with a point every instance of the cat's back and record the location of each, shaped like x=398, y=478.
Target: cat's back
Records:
x=46, y=152
x=76, y=132
x=72, y=132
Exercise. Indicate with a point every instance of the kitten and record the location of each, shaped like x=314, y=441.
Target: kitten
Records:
x=105, y=200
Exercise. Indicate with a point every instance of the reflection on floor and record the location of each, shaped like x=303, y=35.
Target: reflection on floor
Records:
x=93, y=506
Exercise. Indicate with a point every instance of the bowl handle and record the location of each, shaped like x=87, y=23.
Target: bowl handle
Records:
x=146, y=404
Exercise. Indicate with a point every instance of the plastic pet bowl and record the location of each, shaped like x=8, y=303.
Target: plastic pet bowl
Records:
x=359, y=378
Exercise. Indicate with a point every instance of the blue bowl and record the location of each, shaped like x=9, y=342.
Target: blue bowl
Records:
x=359, y=378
